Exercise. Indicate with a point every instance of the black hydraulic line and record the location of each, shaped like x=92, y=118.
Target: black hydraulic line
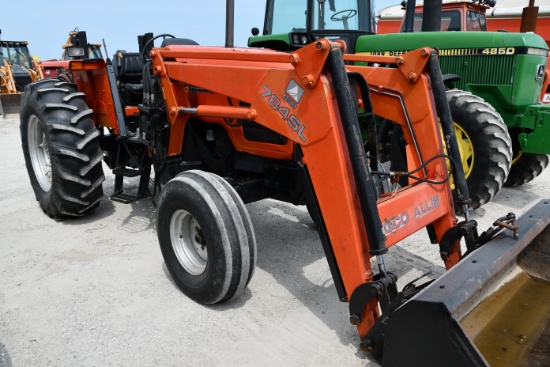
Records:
x=444, y=113
x=409, y=16
x=363, y=178
x=368, y=117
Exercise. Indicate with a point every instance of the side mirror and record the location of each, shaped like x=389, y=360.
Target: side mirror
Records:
x=255, y=31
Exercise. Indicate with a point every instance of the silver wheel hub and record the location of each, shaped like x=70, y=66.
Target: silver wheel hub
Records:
x=39, y=153
x=188, y=242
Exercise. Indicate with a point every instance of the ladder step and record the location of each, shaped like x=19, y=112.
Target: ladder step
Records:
x=126, y=172
x=124, y=198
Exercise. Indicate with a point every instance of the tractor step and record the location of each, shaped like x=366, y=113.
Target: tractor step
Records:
x=125, y=198
x=126, y=172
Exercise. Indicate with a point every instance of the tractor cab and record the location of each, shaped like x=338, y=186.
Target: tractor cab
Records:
x=291, y=24
x=456, y=15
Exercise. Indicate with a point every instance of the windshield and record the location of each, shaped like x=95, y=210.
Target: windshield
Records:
x=16, y=54
x=343, y=15
x=475, y=21
x=450, y=21
x=283, y=16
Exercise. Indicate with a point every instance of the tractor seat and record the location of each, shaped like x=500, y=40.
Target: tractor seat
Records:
x=134, y=88
x=129, y=67
x=129, y=71
x=178, y=41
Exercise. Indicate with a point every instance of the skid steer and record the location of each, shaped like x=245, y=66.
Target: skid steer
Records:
x=222, y=127
x=17, y=69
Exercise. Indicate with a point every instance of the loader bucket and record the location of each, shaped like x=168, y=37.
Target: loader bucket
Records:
x=491, y=309
x=9, y=105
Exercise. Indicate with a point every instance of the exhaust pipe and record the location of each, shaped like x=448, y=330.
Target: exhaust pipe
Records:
x=431, y=19
x=529, y=18
x=409, y=16
x=229, y=23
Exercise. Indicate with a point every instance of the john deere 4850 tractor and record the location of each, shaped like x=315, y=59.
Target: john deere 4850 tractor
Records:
x=494, y=80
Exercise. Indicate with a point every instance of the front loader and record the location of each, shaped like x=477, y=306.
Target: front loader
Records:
x=222, y=127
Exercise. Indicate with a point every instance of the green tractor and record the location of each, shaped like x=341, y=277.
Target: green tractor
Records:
x=494, y=80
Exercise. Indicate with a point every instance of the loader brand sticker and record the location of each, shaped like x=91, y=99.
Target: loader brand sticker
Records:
x=275, y=102
x=293, y=92
x=426, y=207
x=546, y=98
x=391, y=225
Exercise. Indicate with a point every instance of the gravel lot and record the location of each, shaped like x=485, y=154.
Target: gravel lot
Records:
x=95, y=292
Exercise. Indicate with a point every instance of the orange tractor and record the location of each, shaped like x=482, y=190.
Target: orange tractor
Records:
x=222, y=127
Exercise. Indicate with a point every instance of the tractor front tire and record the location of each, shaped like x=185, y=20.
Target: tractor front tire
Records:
x=206, y=237
x=61, y=148
x=525, y=168
x=484, y=143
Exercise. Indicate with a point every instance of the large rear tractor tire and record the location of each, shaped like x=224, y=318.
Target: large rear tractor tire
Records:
x=525, y=167
x=206, y=237
x=484, y=144
x=61, y=148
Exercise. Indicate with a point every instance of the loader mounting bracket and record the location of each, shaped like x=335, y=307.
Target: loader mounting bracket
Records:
x=385, y=288
x=466, y=229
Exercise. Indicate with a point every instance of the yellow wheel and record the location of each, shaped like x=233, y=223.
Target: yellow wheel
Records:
x=484, y=144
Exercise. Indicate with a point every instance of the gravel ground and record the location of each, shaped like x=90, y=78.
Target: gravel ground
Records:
x=94, y=291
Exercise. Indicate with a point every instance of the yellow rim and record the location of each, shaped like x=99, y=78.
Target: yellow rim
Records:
x=465, y=148
x=517, y=156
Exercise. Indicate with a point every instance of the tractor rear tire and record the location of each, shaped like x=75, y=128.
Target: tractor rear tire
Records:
x=61, y=148
x=484, y=142
x=526, y=168
x=206, y=237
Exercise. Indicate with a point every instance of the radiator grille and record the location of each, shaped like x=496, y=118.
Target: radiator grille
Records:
x=479, y=69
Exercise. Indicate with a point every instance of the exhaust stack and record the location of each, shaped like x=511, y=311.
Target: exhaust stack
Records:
x=229, y=23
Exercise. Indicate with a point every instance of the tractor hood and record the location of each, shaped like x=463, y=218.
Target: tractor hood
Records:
x=448, y=40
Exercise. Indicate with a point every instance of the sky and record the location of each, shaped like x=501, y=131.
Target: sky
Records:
x=119, y=22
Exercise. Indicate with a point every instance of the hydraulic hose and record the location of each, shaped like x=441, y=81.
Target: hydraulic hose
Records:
x=358, y=157
x=444, y=113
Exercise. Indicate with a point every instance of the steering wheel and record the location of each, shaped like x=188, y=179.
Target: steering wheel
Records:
x=345, y=15
x=164, y=35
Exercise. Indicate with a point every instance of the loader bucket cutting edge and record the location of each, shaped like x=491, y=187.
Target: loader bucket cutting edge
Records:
x=9, y=105
x=492, y=308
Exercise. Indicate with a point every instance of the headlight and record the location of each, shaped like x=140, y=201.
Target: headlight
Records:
x=299, y=39
x=537, y=51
